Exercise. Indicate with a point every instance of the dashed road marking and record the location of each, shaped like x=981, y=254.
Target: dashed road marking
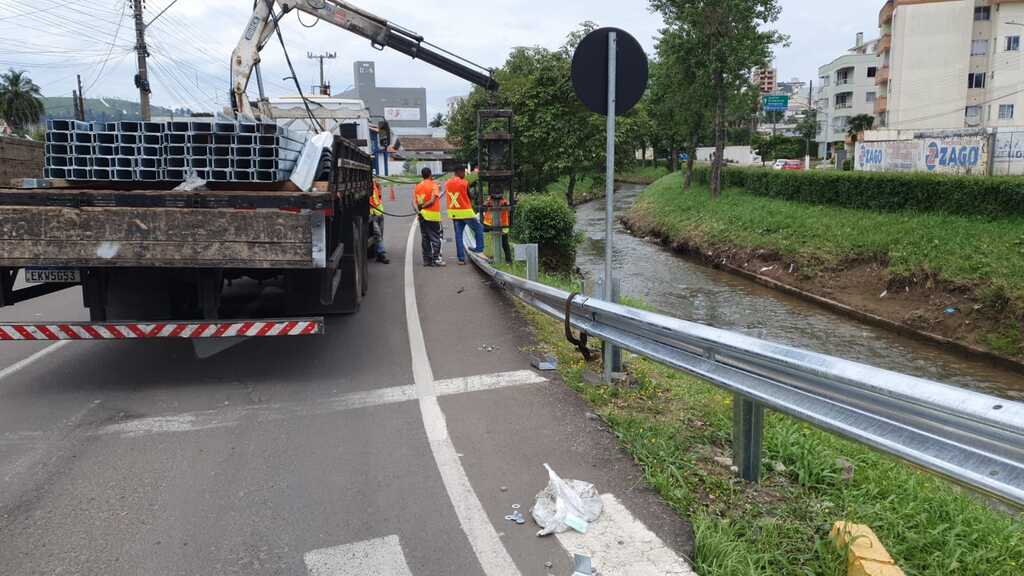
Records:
x=621, y=545
x=483, y=538
x=379, y=556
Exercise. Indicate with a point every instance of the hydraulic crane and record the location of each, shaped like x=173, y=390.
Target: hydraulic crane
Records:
x=380, y=32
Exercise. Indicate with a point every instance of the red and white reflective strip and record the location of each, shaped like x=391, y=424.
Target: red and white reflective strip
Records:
x=136, y=331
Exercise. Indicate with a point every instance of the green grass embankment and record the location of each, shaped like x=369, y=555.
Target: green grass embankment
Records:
x=675, y=426
x=978, y=258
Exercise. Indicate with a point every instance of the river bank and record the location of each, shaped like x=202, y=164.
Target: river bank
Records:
x=958, y=281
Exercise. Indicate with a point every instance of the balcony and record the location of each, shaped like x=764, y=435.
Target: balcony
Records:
x=885, y=15
x=882, y=75
x=881, y=105
x=884, y=44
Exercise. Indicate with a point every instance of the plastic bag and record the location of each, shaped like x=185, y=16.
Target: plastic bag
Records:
x=193, y=183
x=566, y=504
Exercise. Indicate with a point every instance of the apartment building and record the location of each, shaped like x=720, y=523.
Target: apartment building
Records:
x=766, y=79
x=846, y=88
x=950, y=64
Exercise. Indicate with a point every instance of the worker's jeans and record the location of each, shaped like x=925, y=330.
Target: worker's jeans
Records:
x=430, y=241
x=377, y=231
x=460, y=241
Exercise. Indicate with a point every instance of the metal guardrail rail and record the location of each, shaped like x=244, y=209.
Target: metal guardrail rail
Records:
x=970, y=438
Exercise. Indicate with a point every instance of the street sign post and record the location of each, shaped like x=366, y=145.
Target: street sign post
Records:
x=775, y=103
x=609, y=74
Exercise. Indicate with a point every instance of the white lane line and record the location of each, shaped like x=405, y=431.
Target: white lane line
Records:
x=487, y=382
x=482, y=536
x=23, y=363
x=620, y=545
x=379, y=556
x=227, y=417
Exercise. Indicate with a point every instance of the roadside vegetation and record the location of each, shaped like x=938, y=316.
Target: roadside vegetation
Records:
x=979, y=258
x=676, y=426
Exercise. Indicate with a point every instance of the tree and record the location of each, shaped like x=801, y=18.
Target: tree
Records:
x=808, y=125
x=729, y=40
x=21, y=102
x=555, y=135
x=439, y=121
x=679, y=97
x=858, y=124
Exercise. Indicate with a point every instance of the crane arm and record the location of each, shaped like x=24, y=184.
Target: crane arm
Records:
x=378, y=31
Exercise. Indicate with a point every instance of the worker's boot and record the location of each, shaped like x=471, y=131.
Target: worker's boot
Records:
x=383, y=258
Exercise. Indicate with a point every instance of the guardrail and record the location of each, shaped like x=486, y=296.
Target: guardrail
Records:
x=972, y=439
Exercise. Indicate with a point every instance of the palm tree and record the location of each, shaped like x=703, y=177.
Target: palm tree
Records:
x=858, y=124
x=20, y=100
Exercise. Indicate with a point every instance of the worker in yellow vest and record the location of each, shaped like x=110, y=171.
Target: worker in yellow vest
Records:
x=377, y=223
x=460, y=210
x=506, y=246
x=428, y=206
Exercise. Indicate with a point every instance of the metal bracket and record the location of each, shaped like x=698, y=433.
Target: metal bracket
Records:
x=581, y=342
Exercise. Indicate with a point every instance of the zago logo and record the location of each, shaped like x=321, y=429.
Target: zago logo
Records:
x=870, y=156
x=951, y=156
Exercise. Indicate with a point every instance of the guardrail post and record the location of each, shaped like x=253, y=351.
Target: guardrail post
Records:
x=612, y=354
x=747, y=433
x=530, y=253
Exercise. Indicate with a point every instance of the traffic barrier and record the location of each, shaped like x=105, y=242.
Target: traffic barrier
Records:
x=137, y=331
x=971, y=438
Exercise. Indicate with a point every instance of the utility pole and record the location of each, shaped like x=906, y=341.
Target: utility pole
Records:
x=80, y=101
x=325, y=89
x=142, y=78
x=810, y=107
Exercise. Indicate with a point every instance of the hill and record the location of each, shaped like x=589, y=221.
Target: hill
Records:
x=104, y=109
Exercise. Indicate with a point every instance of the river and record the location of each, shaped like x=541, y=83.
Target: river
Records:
x=678, y=287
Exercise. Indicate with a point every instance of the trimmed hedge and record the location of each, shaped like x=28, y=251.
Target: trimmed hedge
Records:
x=548, y=221
x=961, y=195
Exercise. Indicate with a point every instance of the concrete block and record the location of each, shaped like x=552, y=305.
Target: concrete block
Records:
x=867, y=556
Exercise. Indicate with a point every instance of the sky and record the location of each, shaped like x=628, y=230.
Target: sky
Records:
x=191, y=43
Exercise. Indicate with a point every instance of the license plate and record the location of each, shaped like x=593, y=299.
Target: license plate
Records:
x=52, y=275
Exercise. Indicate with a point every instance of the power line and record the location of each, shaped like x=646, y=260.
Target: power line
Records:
x=117, y=32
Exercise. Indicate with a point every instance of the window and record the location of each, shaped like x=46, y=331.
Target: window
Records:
x=871, y=97
x=979, y=47
x=983, y=13
x=1013, y=43
x=1006, y=111
x=872, y=71
x=976, y=80
x=973, y=113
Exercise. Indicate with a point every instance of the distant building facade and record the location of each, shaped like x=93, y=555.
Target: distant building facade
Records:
x=951, y=64
x=400, y=107
x=766, y=79
x=846, y=88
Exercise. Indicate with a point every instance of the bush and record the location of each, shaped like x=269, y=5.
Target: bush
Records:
x=988, y=196
x=548, y=221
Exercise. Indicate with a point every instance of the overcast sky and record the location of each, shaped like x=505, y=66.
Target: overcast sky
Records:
x=191, y=44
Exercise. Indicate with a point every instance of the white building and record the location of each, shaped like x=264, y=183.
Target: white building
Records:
x=846, y=89
x=951, y=64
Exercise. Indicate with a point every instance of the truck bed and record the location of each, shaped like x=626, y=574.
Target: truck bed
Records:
x=224, y=228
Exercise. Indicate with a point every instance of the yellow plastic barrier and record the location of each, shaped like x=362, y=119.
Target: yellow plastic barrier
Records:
x=867, y=555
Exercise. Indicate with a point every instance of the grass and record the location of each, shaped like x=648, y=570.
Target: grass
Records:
x=675, y=425
x=642, y=174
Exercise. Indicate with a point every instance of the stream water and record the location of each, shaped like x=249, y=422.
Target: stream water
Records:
x=678, y=287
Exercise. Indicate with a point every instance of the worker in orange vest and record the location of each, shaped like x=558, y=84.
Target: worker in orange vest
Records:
x=506, y=246
x=460, y=210
x=377, y=222
x=428, y=206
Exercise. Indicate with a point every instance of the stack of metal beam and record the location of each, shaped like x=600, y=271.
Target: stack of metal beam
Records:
x=215, y=150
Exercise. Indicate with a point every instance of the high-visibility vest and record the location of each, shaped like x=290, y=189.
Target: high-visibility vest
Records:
x=429, y=191
x=459, y=205
x=489, y=216
x=376, y=201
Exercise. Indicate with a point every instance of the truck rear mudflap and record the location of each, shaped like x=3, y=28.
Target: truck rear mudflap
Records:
x=165, y=330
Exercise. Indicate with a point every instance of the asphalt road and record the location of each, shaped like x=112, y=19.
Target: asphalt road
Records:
x=394, y=444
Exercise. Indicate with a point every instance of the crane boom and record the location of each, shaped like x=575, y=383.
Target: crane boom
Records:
x=378, y=31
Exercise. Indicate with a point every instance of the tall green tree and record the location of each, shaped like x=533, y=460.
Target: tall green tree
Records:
x=438, y=121
x=858, y=124
x=21, y=103
x=731, y=39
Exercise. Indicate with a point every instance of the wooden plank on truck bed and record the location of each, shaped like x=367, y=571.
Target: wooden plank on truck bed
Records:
x=170, y=237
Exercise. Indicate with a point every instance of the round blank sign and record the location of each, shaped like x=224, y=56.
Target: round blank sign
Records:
x=590, y=71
